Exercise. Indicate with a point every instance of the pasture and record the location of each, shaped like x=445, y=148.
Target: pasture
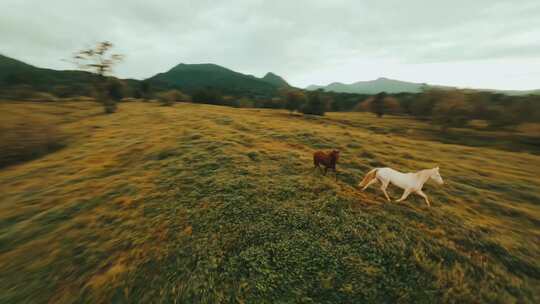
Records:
x=208, y=204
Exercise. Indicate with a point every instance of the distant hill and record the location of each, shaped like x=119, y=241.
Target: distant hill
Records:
x=275, y=80
x=397, y=86
x=191, y=77
x=13, y=72
x=59, y=82
x=372, y=87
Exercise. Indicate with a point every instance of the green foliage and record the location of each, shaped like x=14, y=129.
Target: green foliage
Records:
x=145, y=90
x=192, y=78
x=115, y=90
x=245, y=102
x=208, y=95
x=294, y=100
x=451, y=110
x=170, y=97
x=206, y=204
x=377, y=104
x=275, y=80
x=317, y=104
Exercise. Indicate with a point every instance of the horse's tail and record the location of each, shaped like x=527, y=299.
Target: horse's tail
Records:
x=369, y=177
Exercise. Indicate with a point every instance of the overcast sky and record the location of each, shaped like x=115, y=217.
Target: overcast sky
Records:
x=468, y=43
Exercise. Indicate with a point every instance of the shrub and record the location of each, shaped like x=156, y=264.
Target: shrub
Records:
x=208, y=96
x=377, y=104
x=42, y=96
x=20, y=92
x=170, y=97
x=316, y=104
x=245, y=102
x=144, y=91
x=115, y=90
x=25, y=140
x=423, y=106
x=451, y=110
x=294, y=100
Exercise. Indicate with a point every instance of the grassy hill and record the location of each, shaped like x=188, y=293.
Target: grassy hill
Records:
x=69, y=82
x=16, y=72
x=275, y=80
x=192, y=77
x=200, y=203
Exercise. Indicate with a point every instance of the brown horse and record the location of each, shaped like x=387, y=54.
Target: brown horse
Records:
x=328, y=160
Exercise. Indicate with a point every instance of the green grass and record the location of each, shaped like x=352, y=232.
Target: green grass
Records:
x=198, y=203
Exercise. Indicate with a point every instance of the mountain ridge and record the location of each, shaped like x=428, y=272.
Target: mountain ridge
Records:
x=192, y=77
x=394, y=86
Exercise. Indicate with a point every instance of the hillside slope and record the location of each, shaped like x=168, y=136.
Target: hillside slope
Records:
x=17, y=72
x=192, y=77
x=372, y=87
x=70, y=82
x=275, y=80
x=392, y=86
x=202, y=203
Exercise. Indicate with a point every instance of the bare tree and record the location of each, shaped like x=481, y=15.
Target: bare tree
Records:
x=99, y=61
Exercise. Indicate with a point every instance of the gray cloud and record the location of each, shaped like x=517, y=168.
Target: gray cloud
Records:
x=305, y=41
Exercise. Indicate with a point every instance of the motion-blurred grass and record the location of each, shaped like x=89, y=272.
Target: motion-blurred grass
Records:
x=200, y=203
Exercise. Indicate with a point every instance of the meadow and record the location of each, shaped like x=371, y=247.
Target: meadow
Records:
x=206, y=204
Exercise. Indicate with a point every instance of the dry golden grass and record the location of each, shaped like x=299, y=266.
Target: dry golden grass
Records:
x=202, y=203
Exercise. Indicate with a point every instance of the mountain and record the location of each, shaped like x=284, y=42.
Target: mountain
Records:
x=397, y=86
x=192, y=77
x=15, y=72
x=372, y=87
x=275, y=80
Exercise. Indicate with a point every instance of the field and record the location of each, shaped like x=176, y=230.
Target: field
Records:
x=206, y=204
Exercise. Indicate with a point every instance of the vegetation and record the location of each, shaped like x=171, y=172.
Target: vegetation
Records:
x=27, y=138
x=170, y=97
x=191, y=78
x=100, y=62
x=145, y=90
x=294, y=100
x=317, y=103
x=207, y=95
x=210, y=204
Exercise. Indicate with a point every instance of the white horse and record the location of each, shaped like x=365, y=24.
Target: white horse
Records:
x=410, y=182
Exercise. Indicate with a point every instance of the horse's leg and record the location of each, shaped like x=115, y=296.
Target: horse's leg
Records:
x=325, y=170
x=422, y=194
x=383, y=188
x=371, y=182
x=335, y=172
x=404, y=196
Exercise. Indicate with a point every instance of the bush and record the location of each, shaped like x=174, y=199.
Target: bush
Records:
x=170, y=97
x=294, y=100
x=380, y=105
x=377, y=104
x=423, y=106
x=245, y=102
x=451, y=110
x=19, y=92
x=208, y=96
x=144, y=91
x=115, y=90
x=316, y=104
x=42, y=96
x=25, y=140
